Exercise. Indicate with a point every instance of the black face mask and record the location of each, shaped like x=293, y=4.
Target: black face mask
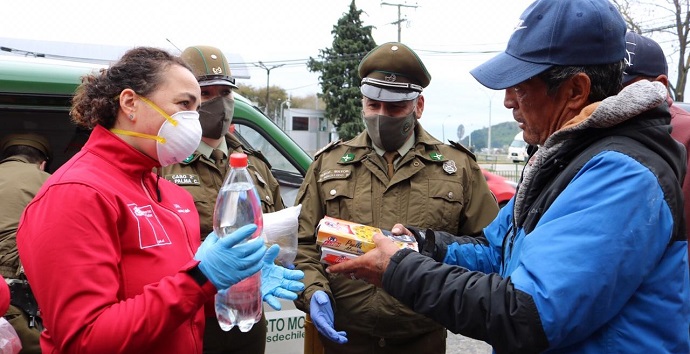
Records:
x=215, y=116
x=390, y=133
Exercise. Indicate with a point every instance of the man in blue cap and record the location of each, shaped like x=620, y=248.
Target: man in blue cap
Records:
x=591, y=254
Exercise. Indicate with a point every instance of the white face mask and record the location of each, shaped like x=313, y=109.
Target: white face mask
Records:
x=178, y=137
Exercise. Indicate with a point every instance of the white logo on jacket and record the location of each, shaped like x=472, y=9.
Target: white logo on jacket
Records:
x=151, y=231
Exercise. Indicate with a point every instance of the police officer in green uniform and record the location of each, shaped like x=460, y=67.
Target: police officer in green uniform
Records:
x=394, y=172
x=203, y=173
x=23, y=159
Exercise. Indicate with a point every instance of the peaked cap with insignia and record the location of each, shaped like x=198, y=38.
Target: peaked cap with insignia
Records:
x=209, y=65
x=393, y=72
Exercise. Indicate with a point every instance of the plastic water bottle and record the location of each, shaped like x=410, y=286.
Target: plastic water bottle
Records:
x=237, y=205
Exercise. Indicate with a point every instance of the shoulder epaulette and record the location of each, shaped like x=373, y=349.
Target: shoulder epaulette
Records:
x=462, y=148
x=330, y=146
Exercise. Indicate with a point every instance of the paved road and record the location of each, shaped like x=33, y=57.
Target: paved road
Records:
x=457, y=344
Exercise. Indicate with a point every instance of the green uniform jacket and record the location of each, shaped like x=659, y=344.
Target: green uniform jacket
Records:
x=348, y=181
x=20, y=180
x=200, y=176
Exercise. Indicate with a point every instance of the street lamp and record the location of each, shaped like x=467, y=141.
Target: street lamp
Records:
x=268, y=75
x=488, y=138
x=443, y=129
x=282, y=115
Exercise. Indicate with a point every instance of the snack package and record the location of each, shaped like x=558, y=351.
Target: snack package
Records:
x=354, y=238
x=331, y=256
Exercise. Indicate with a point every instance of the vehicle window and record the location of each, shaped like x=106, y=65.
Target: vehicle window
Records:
x=255, y=141
x=518, y=144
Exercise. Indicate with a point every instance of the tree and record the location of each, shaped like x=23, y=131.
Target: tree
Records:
x=258, y=96
x=666, y=18
x=309, y=101
x=339, y=79
x=502, y=135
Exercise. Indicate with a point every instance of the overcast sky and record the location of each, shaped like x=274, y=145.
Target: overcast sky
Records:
x=451, y=37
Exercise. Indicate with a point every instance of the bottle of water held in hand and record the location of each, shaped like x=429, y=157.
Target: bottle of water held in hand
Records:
x=237, y=205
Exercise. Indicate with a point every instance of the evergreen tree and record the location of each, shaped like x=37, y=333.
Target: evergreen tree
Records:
x=338, y=67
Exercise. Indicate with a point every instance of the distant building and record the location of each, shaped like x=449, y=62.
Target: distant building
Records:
x=308, y=128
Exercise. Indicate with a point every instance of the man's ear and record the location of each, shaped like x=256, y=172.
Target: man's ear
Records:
x=419, y=108
x=663, y=79
x=42, y=165
x=577, y=91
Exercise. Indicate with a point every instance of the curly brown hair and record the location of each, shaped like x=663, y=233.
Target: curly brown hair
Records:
x=141, y=69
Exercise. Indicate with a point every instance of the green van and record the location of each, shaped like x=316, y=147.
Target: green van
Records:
x=35, y=95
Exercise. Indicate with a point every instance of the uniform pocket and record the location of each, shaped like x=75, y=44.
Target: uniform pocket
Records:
x=445, y=203
x=338, y=198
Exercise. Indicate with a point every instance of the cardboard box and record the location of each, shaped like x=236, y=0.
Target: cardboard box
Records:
x=331, y=256
x=354, y=238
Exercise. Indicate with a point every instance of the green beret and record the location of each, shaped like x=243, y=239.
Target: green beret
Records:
x=33, y=140
x=209, y=65
x=393, y=72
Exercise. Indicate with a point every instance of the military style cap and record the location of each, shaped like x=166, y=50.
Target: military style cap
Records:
x=34, y=140
x=209, y=65
x=393, y=72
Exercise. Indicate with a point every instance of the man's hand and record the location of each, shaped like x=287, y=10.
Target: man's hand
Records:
x=321, y=312
x=399, y=229
x=371, y=265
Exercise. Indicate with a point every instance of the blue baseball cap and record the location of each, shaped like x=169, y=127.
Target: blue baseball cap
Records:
x=556, y=33
x=644, y=58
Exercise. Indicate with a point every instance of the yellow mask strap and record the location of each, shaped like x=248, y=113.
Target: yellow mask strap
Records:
x=160, y=139
x=154, y=106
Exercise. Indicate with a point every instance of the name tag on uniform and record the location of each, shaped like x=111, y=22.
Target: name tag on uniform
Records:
x=184, y=179
x=334, y=174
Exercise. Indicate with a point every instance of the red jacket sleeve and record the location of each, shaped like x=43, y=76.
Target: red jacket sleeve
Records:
x=4, y=297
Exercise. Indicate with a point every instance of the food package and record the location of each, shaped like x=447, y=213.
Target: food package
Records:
x=354, y=238
x=331, y=256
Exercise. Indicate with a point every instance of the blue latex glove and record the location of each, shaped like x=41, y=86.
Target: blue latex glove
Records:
x=278, y=282
x=206, y=245
x=321, y=313
x=225, y=262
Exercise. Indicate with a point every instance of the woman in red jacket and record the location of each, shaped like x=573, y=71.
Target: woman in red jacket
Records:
x=109, y=248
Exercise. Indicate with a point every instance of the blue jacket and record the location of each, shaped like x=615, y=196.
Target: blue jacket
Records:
x=593, y=262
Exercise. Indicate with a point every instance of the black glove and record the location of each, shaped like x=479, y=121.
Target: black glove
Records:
x=426, y=240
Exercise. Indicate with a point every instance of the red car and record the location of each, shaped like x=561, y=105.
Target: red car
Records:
x=502, y=188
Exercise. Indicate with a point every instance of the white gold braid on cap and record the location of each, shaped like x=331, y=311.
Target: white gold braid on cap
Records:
x=390, y=84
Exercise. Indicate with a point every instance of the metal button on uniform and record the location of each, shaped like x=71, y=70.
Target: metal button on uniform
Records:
x=268, y=197
x=382, y=342
x=332, y=192
x=450, y=195
x=415, y=164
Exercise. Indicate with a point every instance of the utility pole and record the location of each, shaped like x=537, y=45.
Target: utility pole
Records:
x=268, y=76
x=399, y=21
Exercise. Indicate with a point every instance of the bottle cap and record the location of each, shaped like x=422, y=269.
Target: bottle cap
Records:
x=238, y=159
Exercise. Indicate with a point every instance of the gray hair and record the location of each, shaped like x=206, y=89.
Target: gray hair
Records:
x=606, y=79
